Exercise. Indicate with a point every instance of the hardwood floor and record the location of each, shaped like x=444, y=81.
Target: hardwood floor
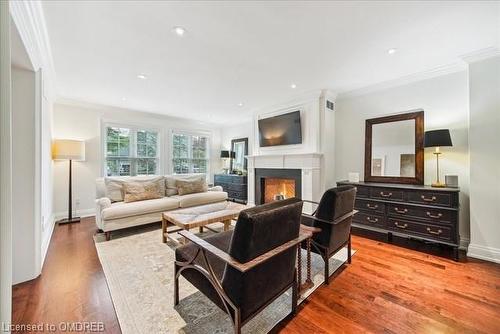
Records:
x=386, y=289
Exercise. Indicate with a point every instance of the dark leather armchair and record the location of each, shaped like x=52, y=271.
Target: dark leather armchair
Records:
x=333, y=216
x=244, y=270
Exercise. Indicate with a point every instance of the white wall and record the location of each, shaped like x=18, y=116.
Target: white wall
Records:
x=243, y=130
x=83, y=122
x=444, y=100
x=25, y=223
x=484, y=132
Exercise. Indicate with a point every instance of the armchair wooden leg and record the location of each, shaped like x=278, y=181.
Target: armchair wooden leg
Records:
x=295, y=289
x=237, y=321
x=107, y=235
x=349, y=248
x=327, y=268
x=176, y=285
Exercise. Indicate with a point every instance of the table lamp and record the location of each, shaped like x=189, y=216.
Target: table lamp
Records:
x=65, y=149
x=437, y=139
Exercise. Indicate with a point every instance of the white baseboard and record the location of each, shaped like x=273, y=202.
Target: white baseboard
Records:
x=464, y=244
x=46, y=238
x=484, y=253
x=79, y=213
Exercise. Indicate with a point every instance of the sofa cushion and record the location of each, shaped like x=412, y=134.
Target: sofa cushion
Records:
x=170, y=181
x=185, y=187
x=140, y=191
x=186, y=201
x=122, y=209
x=114, y=185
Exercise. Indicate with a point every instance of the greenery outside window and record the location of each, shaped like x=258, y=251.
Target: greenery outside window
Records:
x=131, y=151
x=190, y=153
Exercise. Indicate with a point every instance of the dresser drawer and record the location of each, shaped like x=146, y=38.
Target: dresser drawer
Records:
x=228, y=178
x=367, y=205
x=362, y=191
x=366, y=218
x=431, y=231
x=431, y=214
x=431, y=198
x=387, y=194
x=232, y=186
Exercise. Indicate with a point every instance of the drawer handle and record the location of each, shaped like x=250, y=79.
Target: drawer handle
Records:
x=401, y=226
x=428, y=199
x=439, y=215
x=438, y=232
x=372, y=220
x=398, y=210
x=383, y=194
x=369, y=206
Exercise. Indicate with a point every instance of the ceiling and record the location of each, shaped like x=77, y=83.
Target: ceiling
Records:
x=251, y=52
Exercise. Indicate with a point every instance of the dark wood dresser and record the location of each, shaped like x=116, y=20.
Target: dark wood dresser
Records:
x=412, y=211
x=234, y=185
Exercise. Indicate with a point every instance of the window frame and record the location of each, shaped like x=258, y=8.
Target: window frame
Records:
x=206, y=134
x=134, y=128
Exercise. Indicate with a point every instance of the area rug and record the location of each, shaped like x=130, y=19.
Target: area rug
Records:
x=139, y=273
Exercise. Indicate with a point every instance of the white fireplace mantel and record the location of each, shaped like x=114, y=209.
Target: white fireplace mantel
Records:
x=309, y=163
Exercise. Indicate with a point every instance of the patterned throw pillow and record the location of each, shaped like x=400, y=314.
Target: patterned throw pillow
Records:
x=140, y=191
x=185, y=187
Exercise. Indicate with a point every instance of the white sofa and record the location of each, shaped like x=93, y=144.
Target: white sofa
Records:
x=112, y=216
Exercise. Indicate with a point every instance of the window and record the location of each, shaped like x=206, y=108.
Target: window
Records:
x=131, y=151
x=190, y=153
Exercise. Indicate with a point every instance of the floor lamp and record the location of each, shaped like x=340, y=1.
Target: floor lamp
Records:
x=65, y=149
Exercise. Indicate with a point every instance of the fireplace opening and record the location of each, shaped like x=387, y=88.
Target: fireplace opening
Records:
x=276, y=189
x=276, y=184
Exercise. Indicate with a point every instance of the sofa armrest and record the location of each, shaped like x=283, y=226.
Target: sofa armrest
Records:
x=215, y=188
x=101, y=204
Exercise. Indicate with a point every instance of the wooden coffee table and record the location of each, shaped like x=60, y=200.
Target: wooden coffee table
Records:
x=200, y=216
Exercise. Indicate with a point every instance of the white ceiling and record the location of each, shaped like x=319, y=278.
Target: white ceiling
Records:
x=251, y=52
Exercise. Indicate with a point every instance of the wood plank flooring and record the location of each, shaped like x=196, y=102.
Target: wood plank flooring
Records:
x=386, y=289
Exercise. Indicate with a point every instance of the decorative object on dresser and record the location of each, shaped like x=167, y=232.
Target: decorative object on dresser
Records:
x=225, y=155
x=333, y=219
x=437, y=138
x=411, y=211
x=65, y=149
x=239, y=148
x=234, y=185
x=394, y=150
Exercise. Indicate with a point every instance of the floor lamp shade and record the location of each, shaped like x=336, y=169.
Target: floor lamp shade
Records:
x=65, y=149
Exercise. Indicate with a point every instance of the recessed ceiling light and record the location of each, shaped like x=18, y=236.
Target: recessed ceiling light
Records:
x=391, y=51
x=179, y=31
x=240, y=104
x=293, y=86
x=142, y=76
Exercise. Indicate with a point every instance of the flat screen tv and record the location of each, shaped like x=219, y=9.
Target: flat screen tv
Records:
x=280, y=130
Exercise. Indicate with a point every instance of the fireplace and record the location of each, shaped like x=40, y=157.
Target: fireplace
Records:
x=273, y=184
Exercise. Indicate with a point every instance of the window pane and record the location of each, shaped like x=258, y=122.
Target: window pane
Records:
x=199, y=147
x=180, y=166
x=111, y=167
x=180, y=146
x=141, y=137
x=112, y=149
x=199, y=165
x=123, y=149
x=146, y=166
x=141, y=150
x=117, y=142
x=124, y=167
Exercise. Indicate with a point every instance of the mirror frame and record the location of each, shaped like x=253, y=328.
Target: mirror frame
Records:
x=418, y=116
x=245, y=163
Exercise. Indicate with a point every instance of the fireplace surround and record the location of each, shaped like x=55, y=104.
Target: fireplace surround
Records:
x=289, y=176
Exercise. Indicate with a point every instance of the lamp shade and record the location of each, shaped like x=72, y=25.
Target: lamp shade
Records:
x=65, y=149
x=437, y=138
x=224, y=154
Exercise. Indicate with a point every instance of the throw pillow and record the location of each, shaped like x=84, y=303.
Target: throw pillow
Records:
x=140, y=191
x=114, y=189
x=170, y=181
x=185, y=187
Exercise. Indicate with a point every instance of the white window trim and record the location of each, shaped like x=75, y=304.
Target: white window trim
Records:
x=190, y=133
x=134, y=127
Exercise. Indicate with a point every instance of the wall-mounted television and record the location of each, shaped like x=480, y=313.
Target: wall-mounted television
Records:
x=283, y=129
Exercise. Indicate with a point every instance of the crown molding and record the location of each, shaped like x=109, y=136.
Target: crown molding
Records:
x=407, y=79
x=482, y=54
x=30, y=22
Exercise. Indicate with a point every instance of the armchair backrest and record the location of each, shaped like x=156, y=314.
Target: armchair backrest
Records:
x=335, y=203
x=259, y=230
